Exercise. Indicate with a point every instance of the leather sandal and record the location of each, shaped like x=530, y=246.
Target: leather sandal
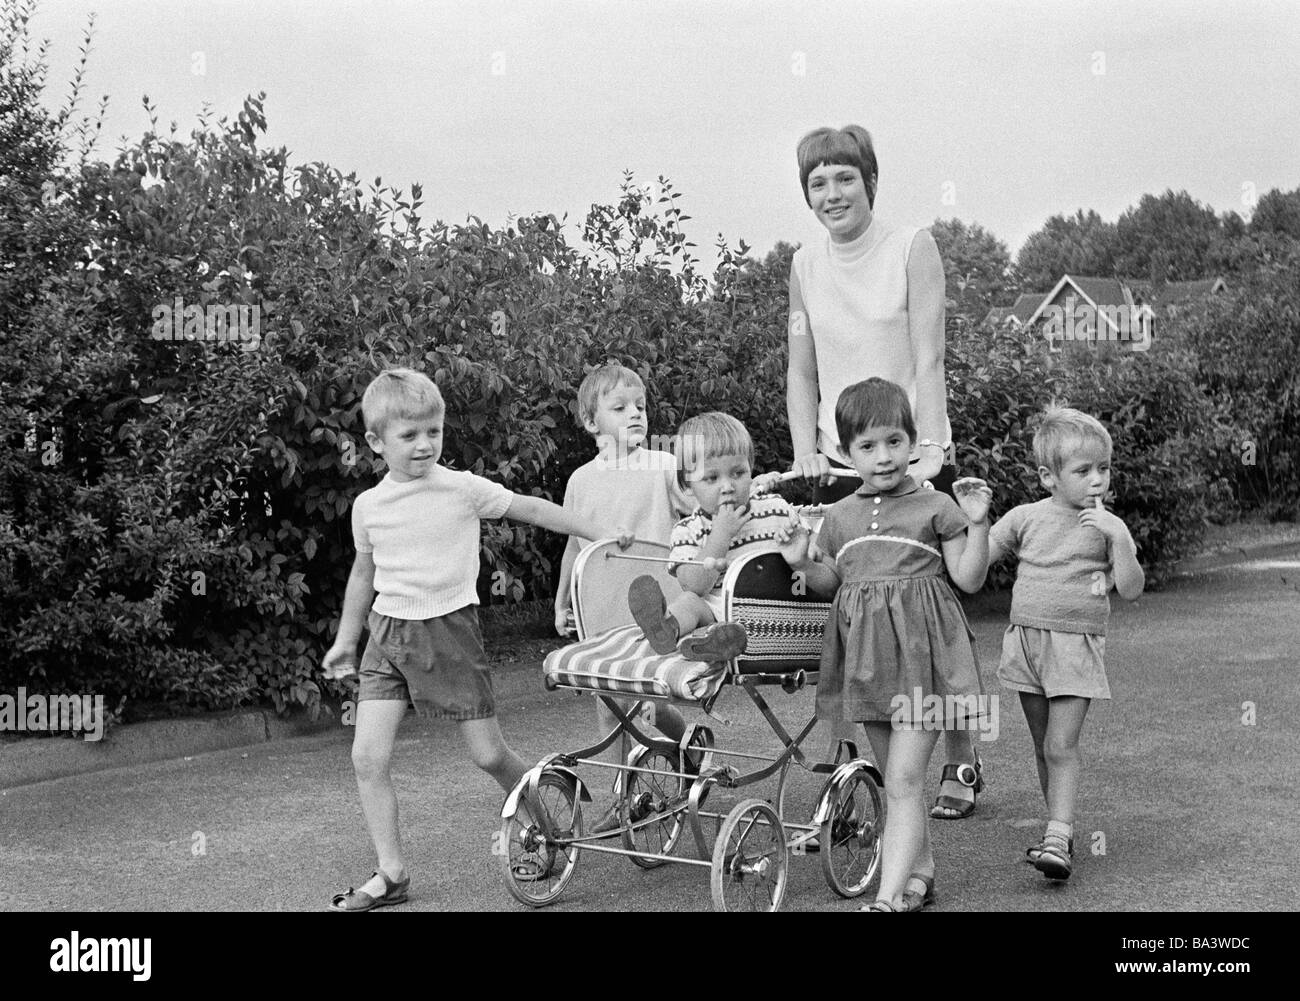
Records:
x=1033, y=851
x=913, y=901
x=878, y=907
x=1055, y=861
x=972, y=777
x=355, y=901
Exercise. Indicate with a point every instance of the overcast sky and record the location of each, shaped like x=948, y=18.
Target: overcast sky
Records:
x=996, y=113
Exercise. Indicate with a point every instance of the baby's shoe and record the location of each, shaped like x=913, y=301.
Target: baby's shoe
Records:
x=645, y=599
x=716, y=645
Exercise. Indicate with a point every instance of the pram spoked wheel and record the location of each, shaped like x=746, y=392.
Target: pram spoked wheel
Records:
x=649, y=794
x=750, y=861
x=538, y=857
x=850, y=836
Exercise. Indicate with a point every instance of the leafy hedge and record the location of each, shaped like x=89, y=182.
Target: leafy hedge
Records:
x=1247, y=354
x=174, y=513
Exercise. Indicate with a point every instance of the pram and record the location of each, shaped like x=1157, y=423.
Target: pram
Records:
x=664, y=785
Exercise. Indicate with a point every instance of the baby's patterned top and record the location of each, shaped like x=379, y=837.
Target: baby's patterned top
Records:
x=767, y=513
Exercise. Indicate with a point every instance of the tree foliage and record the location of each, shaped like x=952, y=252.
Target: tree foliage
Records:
x=1081, y=244
x=1166, y=238
x=976, y=266
x=174, y=506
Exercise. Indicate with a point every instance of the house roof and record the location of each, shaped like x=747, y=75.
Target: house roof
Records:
x=1025, y=306
x=1100, y=292
x=1020, y=310
x=1177, y=293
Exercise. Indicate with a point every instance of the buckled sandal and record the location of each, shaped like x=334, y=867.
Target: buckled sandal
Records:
x=913, y=901
x=971, y=776
x=1033, y=851
x=1056, y=860
x=878, y=907
x=355, y=901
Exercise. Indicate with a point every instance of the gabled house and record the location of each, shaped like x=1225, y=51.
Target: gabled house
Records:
x=1017, y=314
x=1168, y=299
x=1093, y=311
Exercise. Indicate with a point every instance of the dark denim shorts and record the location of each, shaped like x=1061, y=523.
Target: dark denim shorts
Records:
x=438, y=664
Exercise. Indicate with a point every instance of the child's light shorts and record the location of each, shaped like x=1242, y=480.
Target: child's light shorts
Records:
x=1051, y=663
x=715, y=602
x=437, y=663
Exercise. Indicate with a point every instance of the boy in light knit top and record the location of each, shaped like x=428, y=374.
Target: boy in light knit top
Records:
x=1071, y=550
x=637, y=482
x=417, y=542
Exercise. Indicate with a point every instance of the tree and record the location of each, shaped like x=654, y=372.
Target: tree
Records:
x=976, y=266
x=1167, y=238
x=1278, y=212
x=1081, y=244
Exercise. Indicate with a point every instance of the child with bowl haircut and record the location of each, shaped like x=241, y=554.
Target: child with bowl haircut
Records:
x=638, y=483
x=1072, y=551
x=897, y=636
x=417, y=540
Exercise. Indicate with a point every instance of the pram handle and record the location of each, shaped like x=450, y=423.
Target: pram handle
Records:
x=836, y=473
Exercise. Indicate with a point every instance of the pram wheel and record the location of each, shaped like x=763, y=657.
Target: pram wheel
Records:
x=850, y=836
x=750, y=862
x=648, y=794
x=539, y=865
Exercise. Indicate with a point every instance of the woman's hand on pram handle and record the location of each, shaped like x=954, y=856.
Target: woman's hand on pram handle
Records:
x=818, y=468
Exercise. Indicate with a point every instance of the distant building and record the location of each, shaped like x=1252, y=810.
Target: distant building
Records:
x=1091, y=311
x=1017, y=314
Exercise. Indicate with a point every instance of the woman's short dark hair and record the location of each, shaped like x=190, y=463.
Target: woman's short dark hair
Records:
x=872, y=403
x=850, y=145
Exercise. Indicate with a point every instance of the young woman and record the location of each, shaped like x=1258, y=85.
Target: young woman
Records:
x=868, y=301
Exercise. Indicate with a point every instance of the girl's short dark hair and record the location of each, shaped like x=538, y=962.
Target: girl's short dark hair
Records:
x=872, y=403
x=850, y=145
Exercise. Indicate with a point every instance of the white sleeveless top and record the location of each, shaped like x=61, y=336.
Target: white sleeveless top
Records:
x=855, y=297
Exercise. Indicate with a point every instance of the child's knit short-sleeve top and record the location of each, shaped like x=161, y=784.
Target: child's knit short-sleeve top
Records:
x=1065, y=573
x=424, y=535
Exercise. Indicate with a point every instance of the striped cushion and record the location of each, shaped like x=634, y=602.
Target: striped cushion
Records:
x=621, y=661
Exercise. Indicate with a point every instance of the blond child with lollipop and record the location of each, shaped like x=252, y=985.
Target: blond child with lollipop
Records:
x=1072, y=551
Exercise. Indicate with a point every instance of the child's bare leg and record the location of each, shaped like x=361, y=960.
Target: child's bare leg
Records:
x=372, y=755
x=1065, y=717
x=616, y=753
x=878, y=735
x=665, y=623
x=488, y=749
x=905, y=846
x=1035, y=709
x=691, y=611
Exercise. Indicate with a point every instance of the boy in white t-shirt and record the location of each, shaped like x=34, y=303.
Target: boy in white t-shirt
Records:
x=635, y=485
x=417, y=542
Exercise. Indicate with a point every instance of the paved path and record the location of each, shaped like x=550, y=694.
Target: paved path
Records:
x=1195, y=806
